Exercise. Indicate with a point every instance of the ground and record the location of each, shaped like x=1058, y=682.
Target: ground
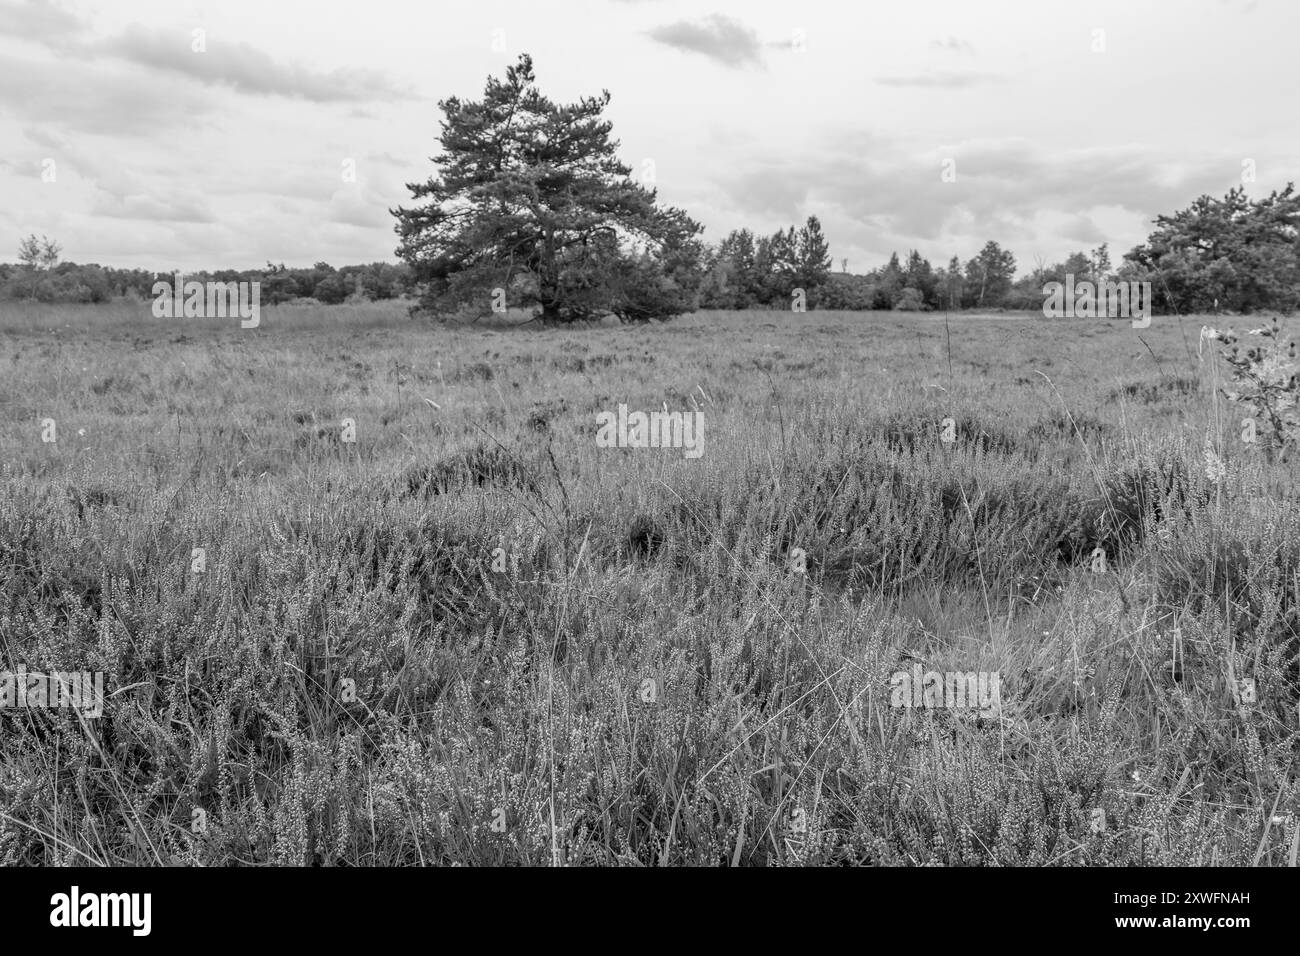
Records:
x=461, y=632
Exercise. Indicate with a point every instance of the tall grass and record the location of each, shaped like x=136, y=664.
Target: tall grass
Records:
x=474, y=637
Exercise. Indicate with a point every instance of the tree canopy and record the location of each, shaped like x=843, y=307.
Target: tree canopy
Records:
x=1231, y=253
x=532, y=204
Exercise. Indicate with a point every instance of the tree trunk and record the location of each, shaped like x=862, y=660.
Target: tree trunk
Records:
x=550, y=284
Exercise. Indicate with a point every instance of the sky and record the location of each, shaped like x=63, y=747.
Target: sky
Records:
x=184, y=135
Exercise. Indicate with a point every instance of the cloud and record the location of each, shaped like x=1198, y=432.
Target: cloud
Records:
x=952, y=45
x=247, y=69
x=238, y=65
x=119, y=193
x=390, y=159
x=40, y=21
x=109, y=99
x=876, y=194
x=1084, y=229
x=942, y=79
x=721, y=38
x=358, y=206
x=769, y=191
x=172, y=208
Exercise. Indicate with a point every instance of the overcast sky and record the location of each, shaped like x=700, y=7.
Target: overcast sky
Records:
x=755, y=113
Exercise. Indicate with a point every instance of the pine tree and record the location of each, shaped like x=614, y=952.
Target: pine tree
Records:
x=813, y=256
x=531, y=198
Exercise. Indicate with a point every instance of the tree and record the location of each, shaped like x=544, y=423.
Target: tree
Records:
x=277, y=285
x=1076, y=264
x=764, y=266
x=909, y=300
x=738, y=285
x=39, y=256
x=888, y=282
x=1231, y=253
x=952, y=282
x=782, y=276
x=1100, y=260
x=845, y=291
x=919, y=275
x=812, y=257
x=332, y=289
x=990, y=274
x=530, y=198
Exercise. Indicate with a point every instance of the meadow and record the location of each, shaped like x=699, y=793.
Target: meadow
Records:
x=461, y=633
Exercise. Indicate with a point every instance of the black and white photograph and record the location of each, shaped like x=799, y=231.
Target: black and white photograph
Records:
x=633, y=434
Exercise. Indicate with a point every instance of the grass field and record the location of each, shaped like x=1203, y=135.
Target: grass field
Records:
x=351, y=672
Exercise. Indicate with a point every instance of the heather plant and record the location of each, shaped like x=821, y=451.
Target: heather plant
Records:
x=1263, y=381
x=475, y=635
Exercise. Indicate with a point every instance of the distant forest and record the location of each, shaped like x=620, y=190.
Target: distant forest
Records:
x=52, y=281
x=1230, y=254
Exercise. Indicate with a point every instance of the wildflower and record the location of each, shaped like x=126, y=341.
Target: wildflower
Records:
x=1215, y=470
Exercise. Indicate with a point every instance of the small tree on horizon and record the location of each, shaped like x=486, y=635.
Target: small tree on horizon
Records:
x=953, y=283
x=1100, y=259
x=39, y=256
x=990, y=274
x=812, y=256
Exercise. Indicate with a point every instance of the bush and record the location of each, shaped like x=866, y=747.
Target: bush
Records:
x=1264, y=382
x=909, y=300
x=331, y=290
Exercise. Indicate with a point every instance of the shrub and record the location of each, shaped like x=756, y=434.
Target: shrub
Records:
x=909, y=300
x=1264, y=381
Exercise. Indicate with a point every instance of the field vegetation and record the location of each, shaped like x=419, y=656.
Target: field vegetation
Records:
x=472, y=636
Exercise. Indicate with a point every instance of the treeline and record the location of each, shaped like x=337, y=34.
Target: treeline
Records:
x=1230, y=254
x=41, y=278
x=746, y=272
